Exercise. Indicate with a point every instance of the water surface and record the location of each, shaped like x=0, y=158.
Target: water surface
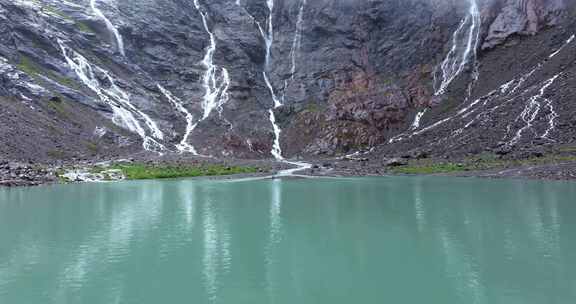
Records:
x=366, y=240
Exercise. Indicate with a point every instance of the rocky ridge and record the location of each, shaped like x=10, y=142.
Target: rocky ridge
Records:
x=351, y=76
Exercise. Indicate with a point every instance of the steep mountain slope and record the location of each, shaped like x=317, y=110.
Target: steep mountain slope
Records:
x=269, y=78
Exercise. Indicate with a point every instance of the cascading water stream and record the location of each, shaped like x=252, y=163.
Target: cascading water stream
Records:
x=276, y=148
x=509, y=92
x=533, y=108
x=296, y=45
x=216, y=80
x=417, y=119
x=297, y=41
x=124, y=112
x=183, y=146
x=563, y=46
x=110, y=26
x=465, y=42
x=268, y=37
x=300, y=166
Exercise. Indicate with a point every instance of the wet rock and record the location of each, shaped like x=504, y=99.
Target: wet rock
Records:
x=503, y=150
x=535, y=152
x=395, y=162
x=421, y=154
x=17, y=174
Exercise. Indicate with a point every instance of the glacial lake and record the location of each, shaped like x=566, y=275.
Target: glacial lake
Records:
x=434, y=240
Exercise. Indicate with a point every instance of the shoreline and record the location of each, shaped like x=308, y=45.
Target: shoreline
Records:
x=15, y=174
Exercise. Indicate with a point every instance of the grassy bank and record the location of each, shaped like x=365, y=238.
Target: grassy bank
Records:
x=480, y=163
x=143, y=171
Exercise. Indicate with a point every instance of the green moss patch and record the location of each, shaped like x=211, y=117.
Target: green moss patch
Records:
x=58, y=107
x=33, y=69
x=84, y=27
x=142, y=171
x=54, y=11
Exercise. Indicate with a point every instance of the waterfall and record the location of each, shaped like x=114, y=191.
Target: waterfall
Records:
x=551, y=118
x=110, y=26
x=506, y=91
x=464, y=48
x=211, y=253
x=215, y=81
x=417, y=119
x=532, y=109
x=268, y=37
x=124, y=112
x=509, y=93
x=465, y=42
x=276, y=149
x=297, y=41
x=183, y=146
x=563, y=46
x=275, y=99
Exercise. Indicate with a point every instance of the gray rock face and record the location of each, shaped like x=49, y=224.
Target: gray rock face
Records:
x=349, y=74
x=525, y=17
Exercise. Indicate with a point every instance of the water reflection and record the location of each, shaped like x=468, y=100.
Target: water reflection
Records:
x=275, y=211
x=217, y=254
x=419, y=208
x=125, y=222
x=211, y=252
x=25, y=254
x=290, y=241
x=274, y=237
x=188, y=200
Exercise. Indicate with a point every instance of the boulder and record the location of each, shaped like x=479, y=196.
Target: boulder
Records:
x=395, y=162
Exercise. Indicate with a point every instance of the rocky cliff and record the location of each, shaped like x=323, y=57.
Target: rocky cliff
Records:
x=270, y=78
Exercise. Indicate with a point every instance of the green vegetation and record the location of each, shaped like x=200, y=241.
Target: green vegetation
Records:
x=141, y=171
x=568, y=149
x=52, y=10
x=84, y=27
x=52, y=129
x=58, y=107
x=314, y=107
x=61, y=178
x=388, y=81
x=28, y=66
x=478, y=163
x=92, y=147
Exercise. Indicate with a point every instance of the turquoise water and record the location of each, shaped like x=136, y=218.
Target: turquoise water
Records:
x=366, y=240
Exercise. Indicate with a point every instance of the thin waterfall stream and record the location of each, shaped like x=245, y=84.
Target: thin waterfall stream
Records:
x=269, y=40
x=110, y=26
x=124, y=112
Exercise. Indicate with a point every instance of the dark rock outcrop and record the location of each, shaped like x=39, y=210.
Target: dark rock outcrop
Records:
x=525, y=17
